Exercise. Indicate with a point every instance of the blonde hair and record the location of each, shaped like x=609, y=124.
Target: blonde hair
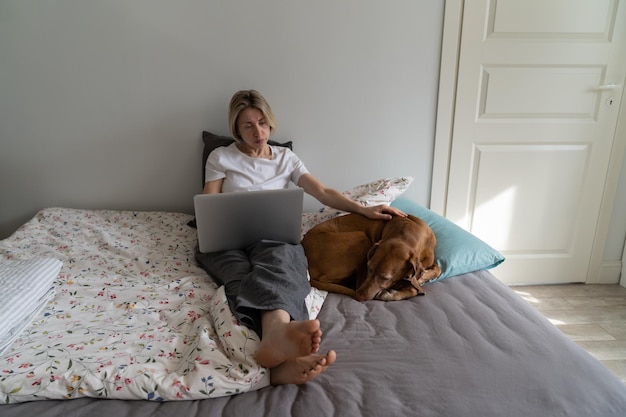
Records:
x=245, y=99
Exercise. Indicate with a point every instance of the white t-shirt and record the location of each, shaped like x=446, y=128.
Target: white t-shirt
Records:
x=244, y=173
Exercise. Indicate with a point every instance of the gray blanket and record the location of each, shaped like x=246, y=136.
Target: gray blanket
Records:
x=470, y=347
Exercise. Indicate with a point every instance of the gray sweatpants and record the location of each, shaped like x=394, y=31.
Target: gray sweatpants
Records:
x=267, y=275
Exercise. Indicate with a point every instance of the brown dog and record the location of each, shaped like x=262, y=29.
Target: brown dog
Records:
x=371, y=259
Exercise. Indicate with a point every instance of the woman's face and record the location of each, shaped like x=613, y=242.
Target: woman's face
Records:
x=253, y=128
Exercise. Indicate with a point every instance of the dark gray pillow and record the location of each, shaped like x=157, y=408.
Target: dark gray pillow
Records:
x=212, y=141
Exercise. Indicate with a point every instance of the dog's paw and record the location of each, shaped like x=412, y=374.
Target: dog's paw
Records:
x=397, y=295
x=387, y=295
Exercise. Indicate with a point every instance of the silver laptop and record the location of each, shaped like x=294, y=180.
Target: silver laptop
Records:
x=236, y=220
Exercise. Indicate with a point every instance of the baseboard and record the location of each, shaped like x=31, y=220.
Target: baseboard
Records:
x=622, y=281
x=610, y=272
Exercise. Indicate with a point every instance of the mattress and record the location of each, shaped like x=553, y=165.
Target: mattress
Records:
x=470, y=347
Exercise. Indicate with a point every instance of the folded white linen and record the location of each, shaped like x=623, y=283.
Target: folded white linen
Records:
x=26, y=286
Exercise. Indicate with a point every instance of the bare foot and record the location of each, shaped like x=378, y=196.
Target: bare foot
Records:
x=301, y=370
x=283, y=341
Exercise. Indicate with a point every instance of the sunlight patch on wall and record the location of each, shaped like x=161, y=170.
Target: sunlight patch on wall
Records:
x=492, y=219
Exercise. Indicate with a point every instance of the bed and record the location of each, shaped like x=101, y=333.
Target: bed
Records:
x=122, y=321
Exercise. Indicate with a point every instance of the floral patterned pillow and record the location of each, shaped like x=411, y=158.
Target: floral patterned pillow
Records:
x=382, y=191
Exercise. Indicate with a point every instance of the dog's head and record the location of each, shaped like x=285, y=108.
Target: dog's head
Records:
x=388, y=263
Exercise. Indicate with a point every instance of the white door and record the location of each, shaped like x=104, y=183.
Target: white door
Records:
x=538, y=91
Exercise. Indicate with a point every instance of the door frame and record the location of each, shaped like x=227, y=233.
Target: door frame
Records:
x=597, y=273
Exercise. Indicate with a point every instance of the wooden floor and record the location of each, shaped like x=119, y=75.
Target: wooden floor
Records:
x=594, y=316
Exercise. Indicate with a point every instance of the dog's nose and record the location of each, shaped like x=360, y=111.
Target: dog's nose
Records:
x=362, y=295
x=358, y=295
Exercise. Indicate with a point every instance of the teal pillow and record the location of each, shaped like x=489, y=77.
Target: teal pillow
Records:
x=457, y=251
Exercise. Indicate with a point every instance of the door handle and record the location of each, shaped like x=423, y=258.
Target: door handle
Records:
x=607, y=87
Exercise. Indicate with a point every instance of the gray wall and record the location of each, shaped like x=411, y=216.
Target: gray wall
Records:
x=102, y=103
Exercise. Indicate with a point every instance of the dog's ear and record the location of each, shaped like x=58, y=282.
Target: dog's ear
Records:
x=410, y=270
x=415, y=272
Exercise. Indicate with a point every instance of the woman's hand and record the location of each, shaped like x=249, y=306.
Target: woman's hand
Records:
x=381, y=211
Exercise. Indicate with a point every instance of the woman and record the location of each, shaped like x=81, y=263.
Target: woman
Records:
x=266, y=283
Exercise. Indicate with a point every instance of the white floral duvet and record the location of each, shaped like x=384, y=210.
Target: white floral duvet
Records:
x=133, y=317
